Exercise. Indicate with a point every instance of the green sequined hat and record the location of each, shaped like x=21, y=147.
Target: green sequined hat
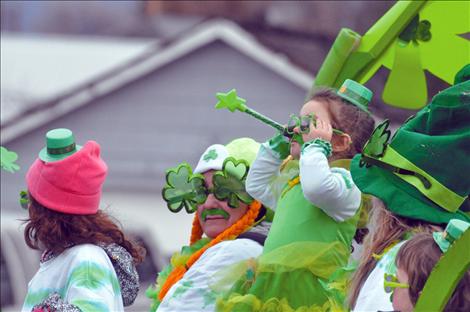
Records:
x=423, y=172
x=356, y=94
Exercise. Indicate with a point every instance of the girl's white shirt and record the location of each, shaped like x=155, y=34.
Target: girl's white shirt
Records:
x=330, y=189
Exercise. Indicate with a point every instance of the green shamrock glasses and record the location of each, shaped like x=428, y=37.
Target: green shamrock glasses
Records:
x=188, y=190
x=303, y=123
x=391, y=282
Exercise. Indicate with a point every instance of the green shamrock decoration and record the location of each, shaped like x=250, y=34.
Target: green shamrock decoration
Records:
x=8, y=159
x=416, y=30
x=229, y=184
x=184, y=189
x=212, y=154
x=231, y=101
x=376, y=145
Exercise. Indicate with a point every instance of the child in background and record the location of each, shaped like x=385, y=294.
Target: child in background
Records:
x=87, y=264
x=420, y=182
x=316, y=205
x=413, y=269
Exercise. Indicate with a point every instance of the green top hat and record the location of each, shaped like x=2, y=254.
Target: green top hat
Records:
x=60, y=143
x=423, y=173
x=356, y=93
x=453, y=231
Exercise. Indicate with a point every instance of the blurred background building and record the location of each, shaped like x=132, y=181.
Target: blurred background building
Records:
x=140, y=78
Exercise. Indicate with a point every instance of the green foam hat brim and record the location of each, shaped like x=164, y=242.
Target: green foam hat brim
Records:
x=441, y=241
x=400, y=198
x=45, y=156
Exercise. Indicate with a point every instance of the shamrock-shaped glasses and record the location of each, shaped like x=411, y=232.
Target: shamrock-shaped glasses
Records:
x=188, y=190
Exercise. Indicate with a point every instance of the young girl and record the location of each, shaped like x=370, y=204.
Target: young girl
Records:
x=413, y=270
x=388, y=233
x=87, y=264
x=420, y=180
x=316, y=205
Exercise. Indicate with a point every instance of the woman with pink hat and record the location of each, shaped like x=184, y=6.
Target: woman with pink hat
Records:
x=88, y=264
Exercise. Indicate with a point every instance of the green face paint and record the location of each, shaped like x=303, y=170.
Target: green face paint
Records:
x=214, y=212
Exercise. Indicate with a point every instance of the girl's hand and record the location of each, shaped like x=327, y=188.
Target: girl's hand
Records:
x=323, y=130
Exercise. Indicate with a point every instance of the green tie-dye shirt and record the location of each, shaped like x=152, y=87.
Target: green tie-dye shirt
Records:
x=82, y=275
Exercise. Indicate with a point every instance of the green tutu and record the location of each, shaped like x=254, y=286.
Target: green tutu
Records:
x=297, y=270
x=295, y=277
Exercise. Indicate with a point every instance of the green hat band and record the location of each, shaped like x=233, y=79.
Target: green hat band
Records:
x=61, y=150
x=356, y=98
x=412, y=174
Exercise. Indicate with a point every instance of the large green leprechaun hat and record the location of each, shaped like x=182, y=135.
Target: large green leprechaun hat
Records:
x=423, y=172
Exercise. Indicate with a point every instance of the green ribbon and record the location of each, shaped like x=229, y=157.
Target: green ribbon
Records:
x=61, y=150
x=412, y=174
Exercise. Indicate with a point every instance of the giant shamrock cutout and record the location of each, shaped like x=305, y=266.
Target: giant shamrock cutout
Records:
x=229, y=184
x=184, y=189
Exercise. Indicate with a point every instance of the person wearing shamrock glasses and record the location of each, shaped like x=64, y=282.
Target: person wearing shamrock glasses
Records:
x=234, y=224
x=316, y=202
x=418, y=178
x=415, y=262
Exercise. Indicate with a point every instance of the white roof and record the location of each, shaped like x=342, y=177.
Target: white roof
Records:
x=36, y=69
x=146, y=62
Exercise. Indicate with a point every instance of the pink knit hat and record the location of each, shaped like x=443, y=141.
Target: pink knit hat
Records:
x=71, y=185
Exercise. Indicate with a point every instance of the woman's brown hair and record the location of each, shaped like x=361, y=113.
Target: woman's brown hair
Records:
x=55, y=231
x=410, y=259
x=387, y=229
x=348, y=118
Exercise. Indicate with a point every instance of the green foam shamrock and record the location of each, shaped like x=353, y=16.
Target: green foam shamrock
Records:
x=184, y=189
x=376, y=145
x=229, y=184
x=8, y=159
